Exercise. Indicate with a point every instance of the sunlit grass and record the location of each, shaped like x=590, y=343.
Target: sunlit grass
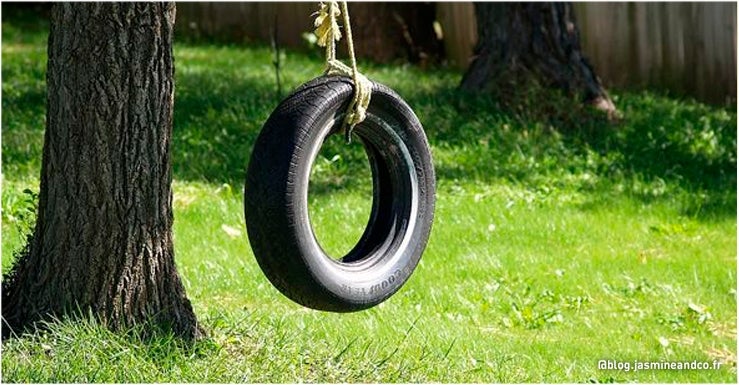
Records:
x=551, y=249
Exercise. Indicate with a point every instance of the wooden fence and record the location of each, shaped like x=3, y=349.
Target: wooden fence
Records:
x=686, y=48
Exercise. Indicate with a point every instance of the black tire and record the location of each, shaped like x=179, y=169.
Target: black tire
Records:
x=276, y=198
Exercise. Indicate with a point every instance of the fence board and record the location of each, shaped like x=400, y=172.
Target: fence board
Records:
x=687, y=48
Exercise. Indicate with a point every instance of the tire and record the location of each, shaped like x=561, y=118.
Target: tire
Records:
x=276, y=198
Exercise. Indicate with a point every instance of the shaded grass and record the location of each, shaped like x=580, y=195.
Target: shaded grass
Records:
x=554, y=245
x=224, y=94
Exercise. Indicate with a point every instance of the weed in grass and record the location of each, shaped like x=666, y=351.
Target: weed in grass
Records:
x=21, y=209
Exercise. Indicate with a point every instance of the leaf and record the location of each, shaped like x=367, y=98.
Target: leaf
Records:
x=696, y=308
x=231, y=231
x=664, y=341
x=701, y=311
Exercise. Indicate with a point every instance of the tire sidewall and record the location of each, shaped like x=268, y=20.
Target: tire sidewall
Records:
x=314, y=279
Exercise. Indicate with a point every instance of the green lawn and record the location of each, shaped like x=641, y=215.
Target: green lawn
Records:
x=557, y=242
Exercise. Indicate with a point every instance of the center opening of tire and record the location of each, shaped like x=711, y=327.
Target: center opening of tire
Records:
x=340, y=195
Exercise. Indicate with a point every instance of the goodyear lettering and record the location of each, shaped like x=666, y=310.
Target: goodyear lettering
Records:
x=385, y=284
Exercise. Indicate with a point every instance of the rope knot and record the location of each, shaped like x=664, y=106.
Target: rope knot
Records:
x=327, y=32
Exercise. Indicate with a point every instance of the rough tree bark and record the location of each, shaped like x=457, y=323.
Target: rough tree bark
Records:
x=103, y=237
x=385, y=32
x=521, y=43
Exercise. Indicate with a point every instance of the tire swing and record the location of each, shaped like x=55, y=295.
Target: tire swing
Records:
x=276, y=188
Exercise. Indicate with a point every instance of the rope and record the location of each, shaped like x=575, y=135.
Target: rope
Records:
x=327, y=31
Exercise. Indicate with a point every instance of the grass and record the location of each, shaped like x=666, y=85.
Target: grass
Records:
x=555, y=245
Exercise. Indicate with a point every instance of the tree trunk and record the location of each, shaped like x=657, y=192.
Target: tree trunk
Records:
x=103, y=236
x=385, y=32
x=521, y=43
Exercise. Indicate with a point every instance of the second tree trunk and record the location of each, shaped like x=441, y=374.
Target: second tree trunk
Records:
x=520, y=43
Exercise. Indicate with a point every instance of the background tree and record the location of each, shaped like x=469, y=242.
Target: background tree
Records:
x=384, y=32
x=103, y=236
x=525, y=45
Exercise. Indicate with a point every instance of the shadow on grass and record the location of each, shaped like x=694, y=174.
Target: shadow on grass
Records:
x=663, y=144
x=25, y=20
x=23, y=124
x=214, y=131
x=663, y=149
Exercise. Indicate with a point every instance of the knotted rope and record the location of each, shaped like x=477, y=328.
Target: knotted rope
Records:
x=327, y=31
